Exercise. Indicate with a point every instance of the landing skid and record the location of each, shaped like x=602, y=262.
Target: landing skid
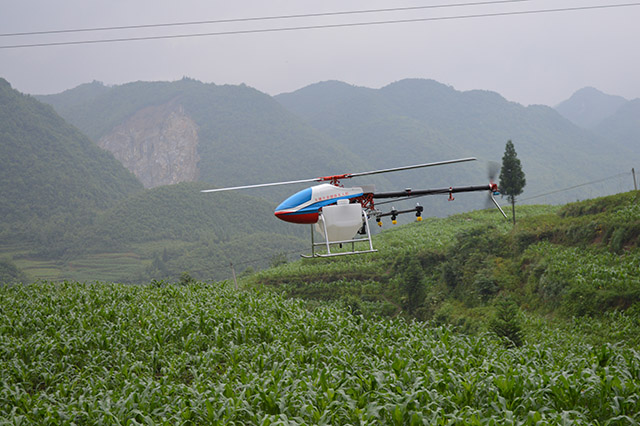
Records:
x=327, y=244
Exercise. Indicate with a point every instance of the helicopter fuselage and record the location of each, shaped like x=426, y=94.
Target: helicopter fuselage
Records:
x=304, y=206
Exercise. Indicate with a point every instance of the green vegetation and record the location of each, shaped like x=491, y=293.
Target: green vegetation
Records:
x=533, y=324
x=463, y=320
x=507, y=323
x=244, y=136
x=196, y=353
x=69, y=210
x=417, y=118
x=53, y=177
x=161, y=233
x=580, y=260
x=10, y=273
x=512, y=180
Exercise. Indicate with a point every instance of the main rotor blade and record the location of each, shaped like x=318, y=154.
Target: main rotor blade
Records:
x=336, y=178
x=417, y=166
x=262, y=185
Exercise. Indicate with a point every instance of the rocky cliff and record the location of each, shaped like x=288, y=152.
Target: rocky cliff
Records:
x=159, y=144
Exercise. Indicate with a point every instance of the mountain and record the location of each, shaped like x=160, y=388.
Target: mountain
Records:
x=169, y=132
x=83, y=216
x=588, y=107
x=623, y=127
x=69, y=99
x=615, y=119
x=423, y=119
x=70, y=210
x=51, y=174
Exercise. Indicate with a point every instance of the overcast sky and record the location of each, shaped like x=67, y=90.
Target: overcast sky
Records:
x=538, y=58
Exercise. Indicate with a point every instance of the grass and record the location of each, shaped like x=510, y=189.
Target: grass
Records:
x=575, y=260
x=430, y=235
x=107, y=266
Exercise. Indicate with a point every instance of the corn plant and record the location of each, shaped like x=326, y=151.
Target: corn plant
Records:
x=98, y=353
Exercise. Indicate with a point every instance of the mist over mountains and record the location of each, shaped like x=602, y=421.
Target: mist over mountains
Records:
x=234, y=135
x=614, y=118
x=588, y=107
x=423, y=118
x=72, y=194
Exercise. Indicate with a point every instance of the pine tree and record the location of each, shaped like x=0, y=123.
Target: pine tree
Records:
x=512, y=179
x=506, y=322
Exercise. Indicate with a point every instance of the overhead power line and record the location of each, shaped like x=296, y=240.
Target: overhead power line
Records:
x=262, y=18
x=578, y=186
x=325, y=26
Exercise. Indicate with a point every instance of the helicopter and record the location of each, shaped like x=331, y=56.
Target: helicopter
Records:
x=341, y=214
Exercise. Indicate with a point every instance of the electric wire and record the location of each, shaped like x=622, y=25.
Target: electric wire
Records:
x=262, y=18
x=625, y=174
x=577, y=186
x=324, y=26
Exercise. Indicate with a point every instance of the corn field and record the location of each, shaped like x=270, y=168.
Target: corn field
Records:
x=98, y=353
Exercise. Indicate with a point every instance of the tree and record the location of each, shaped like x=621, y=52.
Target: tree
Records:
x=506, y=322
x=512, y=179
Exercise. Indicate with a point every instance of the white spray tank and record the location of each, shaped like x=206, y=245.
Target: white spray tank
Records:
x=342, y=221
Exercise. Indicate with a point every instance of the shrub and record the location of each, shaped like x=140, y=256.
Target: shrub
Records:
x=413, y=284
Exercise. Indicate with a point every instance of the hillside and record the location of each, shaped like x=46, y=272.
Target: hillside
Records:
x=182, y=229
x=578, y=260
x=187, y=131
x=589, y=107
x=225, y=135
x=51, y=174
x=623, y=127
x=163, y=232
x=425, y=119
x=182, y=212
x=70, y=210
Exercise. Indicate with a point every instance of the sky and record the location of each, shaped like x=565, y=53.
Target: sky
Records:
x=529, y=58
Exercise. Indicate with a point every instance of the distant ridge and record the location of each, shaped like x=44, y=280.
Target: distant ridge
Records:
x=242, y=136
x=588, y=107
x=417, y=118
x=623, y=127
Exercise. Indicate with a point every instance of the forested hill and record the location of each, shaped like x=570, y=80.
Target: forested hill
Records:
x=237, y=134
x=588, y=107
x=614, y=118
x=425, y=119
x=70, y=210
x=50, y=172
x=623, y=127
